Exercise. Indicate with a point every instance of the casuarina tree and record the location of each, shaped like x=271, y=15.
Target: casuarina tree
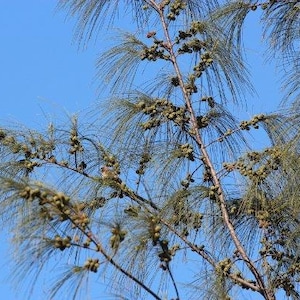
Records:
x=156, y=192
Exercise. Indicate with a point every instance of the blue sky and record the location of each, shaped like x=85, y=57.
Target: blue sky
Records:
x=41, y=70
x=44, y=76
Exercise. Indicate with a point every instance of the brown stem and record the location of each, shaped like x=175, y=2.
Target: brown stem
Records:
x=116, y=265
x=209, y=259
x=126, y=273
x=222, y=202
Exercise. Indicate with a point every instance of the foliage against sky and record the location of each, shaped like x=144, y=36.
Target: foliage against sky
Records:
x=146, y=218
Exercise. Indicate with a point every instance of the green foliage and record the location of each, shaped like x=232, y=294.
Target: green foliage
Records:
x=164, y=179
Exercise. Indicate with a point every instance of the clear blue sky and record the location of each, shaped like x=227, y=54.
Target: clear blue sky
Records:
x=41, y=70
x=44, y=76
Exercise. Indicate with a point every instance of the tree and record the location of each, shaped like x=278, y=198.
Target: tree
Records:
x=164, y=179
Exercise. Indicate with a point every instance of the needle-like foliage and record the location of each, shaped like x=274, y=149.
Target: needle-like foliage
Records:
x=158, y=191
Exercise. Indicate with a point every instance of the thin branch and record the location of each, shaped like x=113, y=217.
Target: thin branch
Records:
x=215, y=179
x=100, y=249
x=173, y=281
